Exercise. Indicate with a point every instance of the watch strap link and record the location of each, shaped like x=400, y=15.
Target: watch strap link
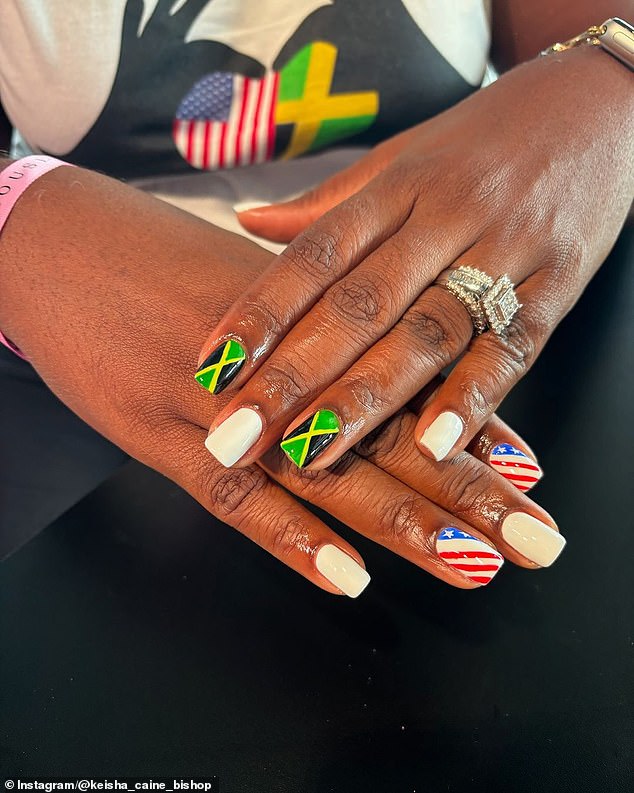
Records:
x=614, y=36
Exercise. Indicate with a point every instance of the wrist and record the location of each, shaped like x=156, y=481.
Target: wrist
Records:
x=78, y=238
x=585, y=87
x=609, y=63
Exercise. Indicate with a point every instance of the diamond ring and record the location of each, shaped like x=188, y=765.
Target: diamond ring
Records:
x=491, y=304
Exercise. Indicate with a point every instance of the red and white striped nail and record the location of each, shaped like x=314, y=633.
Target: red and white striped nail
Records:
x=472, y=557
x=514, y=465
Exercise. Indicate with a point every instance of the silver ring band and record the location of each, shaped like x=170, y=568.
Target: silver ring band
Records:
x=491, y=304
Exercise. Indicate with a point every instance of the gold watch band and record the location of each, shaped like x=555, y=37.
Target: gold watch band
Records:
x=614, y=36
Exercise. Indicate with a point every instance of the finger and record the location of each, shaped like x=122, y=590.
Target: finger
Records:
x=250, y=502
x=471, y=490
x=345, y=498
x=284, y=221
x=497, y=445
x=351, y=317
x=491, y=367
x=295, y=280
x=385, y=510
x=429, y=336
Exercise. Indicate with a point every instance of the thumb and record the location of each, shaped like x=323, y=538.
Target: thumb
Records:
x=283, y=222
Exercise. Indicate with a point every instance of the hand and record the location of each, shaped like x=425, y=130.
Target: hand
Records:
x=525, y=178
x=110, y=319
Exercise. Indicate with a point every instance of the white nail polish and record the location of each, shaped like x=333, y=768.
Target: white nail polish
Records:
x=532, y=538
x=235, y=436
x=341, y=570
x=245, y=206
x=442, y=433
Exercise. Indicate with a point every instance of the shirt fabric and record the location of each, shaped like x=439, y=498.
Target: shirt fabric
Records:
x=209, y=102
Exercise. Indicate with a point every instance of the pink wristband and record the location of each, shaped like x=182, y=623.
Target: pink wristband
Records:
x=14, y=180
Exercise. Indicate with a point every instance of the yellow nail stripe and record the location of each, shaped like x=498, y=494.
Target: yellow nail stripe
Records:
x=224, y=361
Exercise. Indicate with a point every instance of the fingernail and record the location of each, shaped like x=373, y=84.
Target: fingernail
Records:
x=219, y=369
x=232, y=439
x=308, y=440
x=442, y=433
x=247, y=206
x=515, y=466
x=532, y=538
x=342, y=570
x=475, y=559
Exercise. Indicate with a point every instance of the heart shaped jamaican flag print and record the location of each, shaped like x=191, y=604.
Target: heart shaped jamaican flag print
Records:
x=227, y=120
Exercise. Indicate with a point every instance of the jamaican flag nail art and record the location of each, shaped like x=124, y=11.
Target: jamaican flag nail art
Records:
x=311, y=438
x=219, y=369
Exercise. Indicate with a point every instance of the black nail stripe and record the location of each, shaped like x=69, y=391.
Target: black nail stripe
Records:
x=229, y=371
x=215, y=356
x=304, y=427
x=317, y=445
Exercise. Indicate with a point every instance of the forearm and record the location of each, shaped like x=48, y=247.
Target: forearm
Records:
x=521, y=30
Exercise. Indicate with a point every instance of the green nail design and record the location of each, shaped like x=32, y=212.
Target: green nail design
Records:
x=219, y=368
x=311, y=438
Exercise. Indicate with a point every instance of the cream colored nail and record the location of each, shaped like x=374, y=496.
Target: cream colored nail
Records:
x=442, y=433
x=245, y=206
x=532, y=538
x=235, y=436
x=341, y=570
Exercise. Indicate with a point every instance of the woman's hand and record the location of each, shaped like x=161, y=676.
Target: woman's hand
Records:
x=108, y=293
x=529, y=177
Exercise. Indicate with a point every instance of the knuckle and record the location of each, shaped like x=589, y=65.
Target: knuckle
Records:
x=477, y=403
x=401, y=519
x=450, y=186
x=488, y=182
x=509, y=356
x=519, y=346
x=433, y=329
x=567, y=253
x=369, y=394
x=464, y=491
x=317, y=252
x=233, y=492
x=289, y=536
x=262, y=316
x=284, y=378
x=358, y=299
x=511, y=353
x=383, y=440
x=428, y=328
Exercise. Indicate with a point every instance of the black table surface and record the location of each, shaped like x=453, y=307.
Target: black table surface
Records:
x=139, y=636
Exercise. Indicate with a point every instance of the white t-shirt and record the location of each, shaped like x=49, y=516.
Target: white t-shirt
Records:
x=209, y=102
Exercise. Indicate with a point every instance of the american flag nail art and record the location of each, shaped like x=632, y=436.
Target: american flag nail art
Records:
x=475, y=559
x=515, y=466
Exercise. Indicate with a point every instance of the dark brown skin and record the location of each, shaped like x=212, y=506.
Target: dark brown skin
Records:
x=111, y=311
x=107, y=292
x=521, y=29
x=499, y=182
